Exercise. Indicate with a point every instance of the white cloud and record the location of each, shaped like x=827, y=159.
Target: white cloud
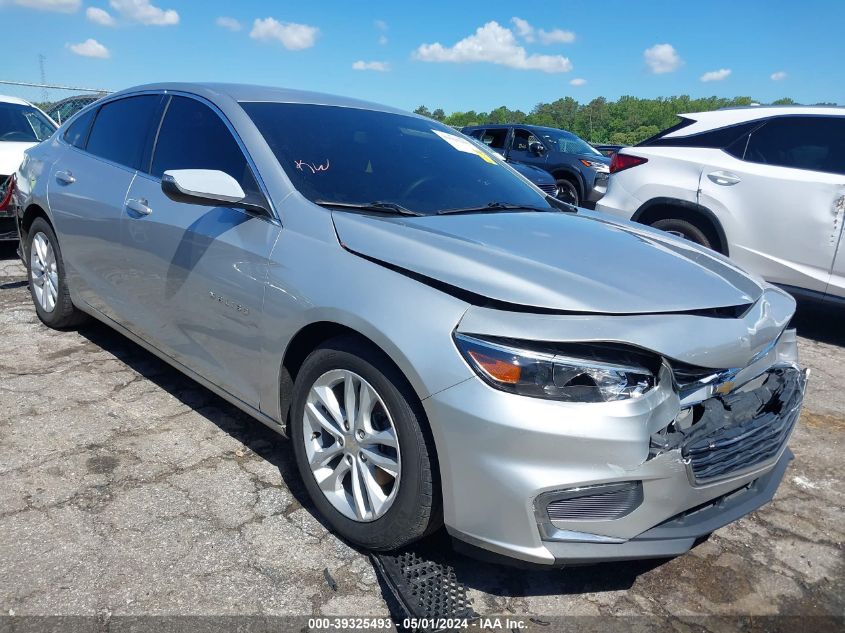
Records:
x=381, y=25
x=228, y=23
x=90, y=48
x=293, y=36
x=662, y=58
x=523, y=29
x=778, y=76
x=62, y=6
x=528, y=33
x=716, y=75
x=377, y=66
x=578, y=81
x=494, y=44
x=99, y=16
x=144, y=12
x=556, y=36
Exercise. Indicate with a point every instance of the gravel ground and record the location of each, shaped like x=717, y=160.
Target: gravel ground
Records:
x=127, y=489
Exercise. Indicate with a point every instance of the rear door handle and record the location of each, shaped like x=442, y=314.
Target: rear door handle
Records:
x=65, y=177
x=138, y=206
x=724, y=178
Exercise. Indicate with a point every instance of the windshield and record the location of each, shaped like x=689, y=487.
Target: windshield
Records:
x=566, y=142
x=354, y=156
x=24, y=124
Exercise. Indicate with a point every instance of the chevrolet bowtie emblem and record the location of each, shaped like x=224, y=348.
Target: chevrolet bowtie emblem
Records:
x=725, y=387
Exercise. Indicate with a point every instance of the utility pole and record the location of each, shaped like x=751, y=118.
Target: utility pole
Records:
x=41, y=59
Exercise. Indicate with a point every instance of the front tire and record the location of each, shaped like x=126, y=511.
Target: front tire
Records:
x=47, y=280
x=359, y=444
x=568, y=191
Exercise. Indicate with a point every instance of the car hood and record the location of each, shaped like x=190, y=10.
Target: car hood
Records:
x=11, y=156
x=551, y=261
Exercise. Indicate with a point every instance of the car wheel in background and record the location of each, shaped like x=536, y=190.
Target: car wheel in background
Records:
x=684, y=229
x=567, y=191
x=358, y=439
x=47, y=282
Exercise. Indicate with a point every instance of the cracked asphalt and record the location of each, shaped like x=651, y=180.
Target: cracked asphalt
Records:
x=128, y=489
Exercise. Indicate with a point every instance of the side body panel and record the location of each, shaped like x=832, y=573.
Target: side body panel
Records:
x=196, y=277
x=87, y=213
x=836, y=287
x=780, y=222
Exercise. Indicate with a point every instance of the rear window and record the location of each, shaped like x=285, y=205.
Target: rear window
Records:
x=21, y=123
x=815, y=143
x=121, y=129
x=77, y=132
x=720, y=138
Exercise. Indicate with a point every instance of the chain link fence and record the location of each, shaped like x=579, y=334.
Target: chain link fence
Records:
x=58, y=101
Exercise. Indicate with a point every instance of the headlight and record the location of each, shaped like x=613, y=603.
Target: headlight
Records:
x=594, y=164
x=556, y=376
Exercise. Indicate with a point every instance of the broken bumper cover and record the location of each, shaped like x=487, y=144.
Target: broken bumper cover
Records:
x=508, y=460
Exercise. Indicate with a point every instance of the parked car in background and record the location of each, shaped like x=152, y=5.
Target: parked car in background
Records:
x=764, y=185
x=543, y=179
x=579, y=170
x=22, y=125
x=442, y=342
x=607, y=149
x=62, y=110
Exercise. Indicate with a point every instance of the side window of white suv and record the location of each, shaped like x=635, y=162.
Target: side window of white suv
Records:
x=815, y=143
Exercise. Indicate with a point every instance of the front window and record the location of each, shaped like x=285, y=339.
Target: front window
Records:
x=566, y=142
x=24, y=124
x=350, y=155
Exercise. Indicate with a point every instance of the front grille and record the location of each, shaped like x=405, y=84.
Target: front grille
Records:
x=595, y=503
x=550, y=189
x=746, y=428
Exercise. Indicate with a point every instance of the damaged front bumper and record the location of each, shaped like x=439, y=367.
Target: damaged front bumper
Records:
x=557, y=483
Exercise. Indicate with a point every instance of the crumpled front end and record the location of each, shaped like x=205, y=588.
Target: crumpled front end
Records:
x=558, y=483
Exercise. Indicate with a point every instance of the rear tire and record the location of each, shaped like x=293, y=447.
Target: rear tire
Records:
x=684, y=229
x=392, y=518
x=47, y=280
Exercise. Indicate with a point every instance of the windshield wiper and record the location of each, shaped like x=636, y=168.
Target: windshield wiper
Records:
x=382, y=207
x=494, y=206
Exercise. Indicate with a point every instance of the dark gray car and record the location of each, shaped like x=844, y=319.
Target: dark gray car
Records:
x=580, y=171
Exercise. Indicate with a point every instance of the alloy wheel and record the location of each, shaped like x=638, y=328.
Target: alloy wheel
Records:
x=351, y=445
x=44, y=273
x=567, y=192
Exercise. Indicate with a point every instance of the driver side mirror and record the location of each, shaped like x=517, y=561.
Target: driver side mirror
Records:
x=536, y=148
x=206, y=187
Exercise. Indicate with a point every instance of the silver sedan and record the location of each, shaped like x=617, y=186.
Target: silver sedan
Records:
x=441, y=341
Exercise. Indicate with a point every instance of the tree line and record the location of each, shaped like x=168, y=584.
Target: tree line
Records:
x=626, y=121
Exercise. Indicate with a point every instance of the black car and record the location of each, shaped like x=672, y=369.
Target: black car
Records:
x=579, y=170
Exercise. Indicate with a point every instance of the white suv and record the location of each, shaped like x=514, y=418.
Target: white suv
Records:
x=763, y=185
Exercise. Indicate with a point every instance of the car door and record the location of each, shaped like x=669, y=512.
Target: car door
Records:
x=87, y=189
x=518, y=148
x=198, y=272
x=776, y=191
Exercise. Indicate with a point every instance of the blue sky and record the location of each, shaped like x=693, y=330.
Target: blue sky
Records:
x=455, y=55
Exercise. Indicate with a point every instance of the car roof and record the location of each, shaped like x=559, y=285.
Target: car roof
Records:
x=494, y=126
x=713, y=119
x=10, y=99
x=253, y=93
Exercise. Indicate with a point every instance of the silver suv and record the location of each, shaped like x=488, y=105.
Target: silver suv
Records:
x=441, y=341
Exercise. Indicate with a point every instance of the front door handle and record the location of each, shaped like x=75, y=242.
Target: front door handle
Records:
x=65, y=177
x=139, y=206
x=724, y=178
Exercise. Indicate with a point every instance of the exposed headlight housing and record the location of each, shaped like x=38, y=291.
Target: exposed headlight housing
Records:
x=547, y=373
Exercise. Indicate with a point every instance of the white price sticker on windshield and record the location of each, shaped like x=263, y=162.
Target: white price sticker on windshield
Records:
x=463, y=145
